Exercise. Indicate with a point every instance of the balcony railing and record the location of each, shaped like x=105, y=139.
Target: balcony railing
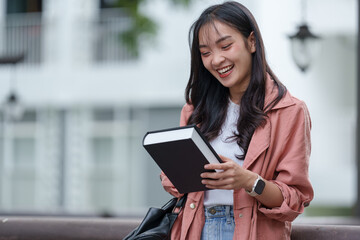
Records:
x=108, y=46
x=23, y=35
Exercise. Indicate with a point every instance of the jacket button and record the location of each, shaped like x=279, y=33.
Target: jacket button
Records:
x=192, y=205
x=240, y=215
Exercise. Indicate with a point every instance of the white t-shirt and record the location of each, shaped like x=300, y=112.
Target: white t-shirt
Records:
x=227, y=148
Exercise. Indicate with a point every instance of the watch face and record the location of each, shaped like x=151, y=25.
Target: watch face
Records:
x=259, y=187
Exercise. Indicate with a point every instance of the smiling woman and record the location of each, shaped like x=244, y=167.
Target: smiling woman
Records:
x=226, y=54
x=260, y=131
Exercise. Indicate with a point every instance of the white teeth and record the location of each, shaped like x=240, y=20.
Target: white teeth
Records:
x=224, y=70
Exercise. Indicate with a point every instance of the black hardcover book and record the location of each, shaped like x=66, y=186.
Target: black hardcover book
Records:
x=181, y=154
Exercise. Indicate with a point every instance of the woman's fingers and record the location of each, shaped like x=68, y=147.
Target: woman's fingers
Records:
x=230, y=176
x=218, y=184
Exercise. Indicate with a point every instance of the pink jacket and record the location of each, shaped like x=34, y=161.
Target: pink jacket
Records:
x=279, y=151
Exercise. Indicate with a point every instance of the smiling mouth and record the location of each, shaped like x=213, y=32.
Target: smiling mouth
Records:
x=225, y=70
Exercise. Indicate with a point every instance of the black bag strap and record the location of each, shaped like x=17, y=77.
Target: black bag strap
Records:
x=169, y=206
x=180, y=203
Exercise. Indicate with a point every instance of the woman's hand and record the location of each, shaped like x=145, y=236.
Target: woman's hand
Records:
x=232, y=176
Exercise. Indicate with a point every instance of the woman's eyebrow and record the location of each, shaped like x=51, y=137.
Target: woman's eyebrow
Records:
x=217, y=41
x=222, y=39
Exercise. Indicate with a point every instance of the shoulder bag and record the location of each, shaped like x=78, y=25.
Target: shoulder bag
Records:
x=158, y=222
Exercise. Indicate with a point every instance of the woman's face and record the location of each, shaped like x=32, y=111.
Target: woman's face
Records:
x=226, y=54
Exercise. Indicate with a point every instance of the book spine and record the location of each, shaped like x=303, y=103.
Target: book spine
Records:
x=165, y=130
x=208, y=144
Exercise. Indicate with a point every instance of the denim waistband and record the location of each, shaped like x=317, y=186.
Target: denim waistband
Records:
x=219, y=211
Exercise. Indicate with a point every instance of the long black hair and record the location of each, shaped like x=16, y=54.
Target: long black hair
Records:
x=210, y=98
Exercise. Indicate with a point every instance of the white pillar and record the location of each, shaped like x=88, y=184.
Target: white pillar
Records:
x=68, y=27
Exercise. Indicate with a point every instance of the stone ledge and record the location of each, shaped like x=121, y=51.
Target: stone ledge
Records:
x=62, y=228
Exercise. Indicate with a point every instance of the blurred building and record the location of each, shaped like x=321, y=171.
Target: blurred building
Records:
x=87, y=103
x=87, y=100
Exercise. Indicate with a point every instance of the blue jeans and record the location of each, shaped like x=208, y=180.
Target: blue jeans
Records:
x=219, y=223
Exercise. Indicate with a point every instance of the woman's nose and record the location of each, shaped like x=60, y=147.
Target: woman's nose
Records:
x=217, y=59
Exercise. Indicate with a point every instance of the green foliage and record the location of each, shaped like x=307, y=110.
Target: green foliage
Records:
x=130, y=5
x=142, y=25
x=185, y=3
x=329, y=211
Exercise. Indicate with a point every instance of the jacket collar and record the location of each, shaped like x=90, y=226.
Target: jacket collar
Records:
x=261, y=138
x=271, y=92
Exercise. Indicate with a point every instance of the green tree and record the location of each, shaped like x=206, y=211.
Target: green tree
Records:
x=142, y=25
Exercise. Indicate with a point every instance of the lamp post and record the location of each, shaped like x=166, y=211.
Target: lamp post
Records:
x=12, y=110
x=303, y=43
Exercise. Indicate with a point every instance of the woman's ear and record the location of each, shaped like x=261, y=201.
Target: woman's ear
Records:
x=252, y=42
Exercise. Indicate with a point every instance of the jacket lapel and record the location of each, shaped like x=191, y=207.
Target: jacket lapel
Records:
x=260, y=141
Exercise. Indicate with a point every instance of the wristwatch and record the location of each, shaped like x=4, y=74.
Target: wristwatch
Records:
x=258, y=187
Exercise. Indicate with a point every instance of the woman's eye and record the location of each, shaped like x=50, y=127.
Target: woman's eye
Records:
x=204, y=54
x=226, y=46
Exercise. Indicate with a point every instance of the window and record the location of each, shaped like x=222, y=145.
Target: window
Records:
x=24, y=151
x=108, y=3
x=103, y=114
x=23, y=30
x=102, y=150
x=23, y=6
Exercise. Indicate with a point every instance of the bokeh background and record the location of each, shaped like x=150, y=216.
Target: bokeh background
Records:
x=96, y=75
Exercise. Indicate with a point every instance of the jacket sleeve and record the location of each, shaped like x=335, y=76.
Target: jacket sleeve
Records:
x=293, y=151
x=168, y=186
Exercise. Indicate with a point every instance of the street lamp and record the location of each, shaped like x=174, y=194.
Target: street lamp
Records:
x=303, y=43
x=12, y=107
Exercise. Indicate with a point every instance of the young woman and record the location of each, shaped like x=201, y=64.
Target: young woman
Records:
x=260, y=131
